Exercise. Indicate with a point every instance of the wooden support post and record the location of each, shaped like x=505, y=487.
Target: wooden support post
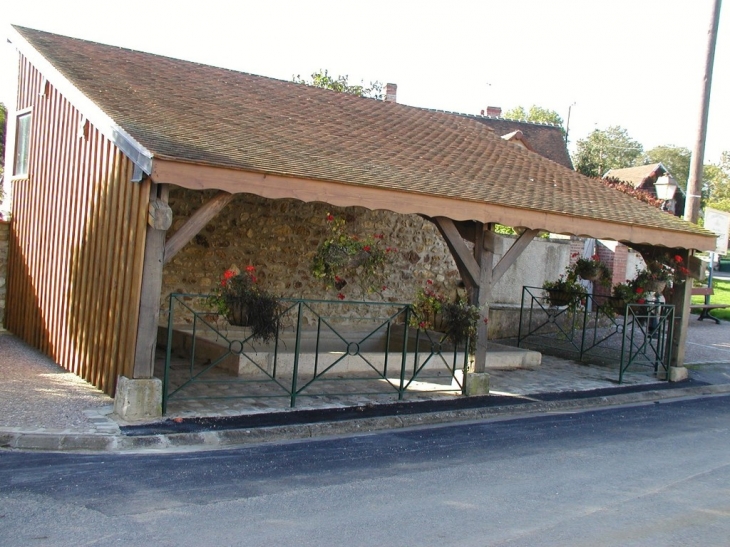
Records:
x=680, y=298
x=149, y=307
x=482, y=295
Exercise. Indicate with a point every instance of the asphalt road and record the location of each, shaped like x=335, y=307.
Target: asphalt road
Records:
x=656, y=474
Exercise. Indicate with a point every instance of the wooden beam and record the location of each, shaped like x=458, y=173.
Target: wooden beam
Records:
x=465, y=262
x=195, y=223
x=513, y=253
x=202, y=177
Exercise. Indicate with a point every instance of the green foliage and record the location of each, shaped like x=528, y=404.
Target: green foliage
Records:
x=565, y=291
x=716, y=181
x=536, y=114
x=590, y=269
x=721, y=296
x=341, y=256
x=606, y=149
x=341, y=84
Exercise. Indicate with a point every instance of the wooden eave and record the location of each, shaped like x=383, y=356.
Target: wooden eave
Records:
x=205, y=177
x=139, y=155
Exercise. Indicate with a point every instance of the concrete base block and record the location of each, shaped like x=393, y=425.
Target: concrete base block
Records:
x=138, y=399
x=678, y=374
x=477, y=383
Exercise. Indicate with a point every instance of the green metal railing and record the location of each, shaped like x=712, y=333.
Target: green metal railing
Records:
x=319, y=344
x=597, y=328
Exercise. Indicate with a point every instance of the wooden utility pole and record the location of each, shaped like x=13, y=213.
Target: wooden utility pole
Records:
x=694, y=184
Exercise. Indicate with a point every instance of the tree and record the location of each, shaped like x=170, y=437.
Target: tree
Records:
x=536, y=114
x=717, y=182
x=341, y=84
x=606, y=149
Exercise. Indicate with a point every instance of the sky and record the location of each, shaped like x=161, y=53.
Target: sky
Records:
x=637, y=64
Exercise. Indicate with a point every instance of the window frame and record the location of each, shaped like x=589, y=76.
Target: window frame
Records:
x=24, y=140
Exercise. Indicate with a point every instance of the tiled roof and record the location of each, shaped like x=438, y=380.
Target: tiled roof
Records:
x=201, y=114
x=636, y=175
x=546, y=140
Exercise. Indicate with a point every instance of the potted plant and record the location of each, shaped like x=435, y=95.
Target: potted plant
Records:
x=566, y=291
x=624, y=294
x=244, y=303
x=592, y=269
x=655, y=277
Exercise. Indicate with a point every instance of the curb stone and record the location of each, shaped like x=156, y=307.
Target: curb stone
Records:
x=16, y=438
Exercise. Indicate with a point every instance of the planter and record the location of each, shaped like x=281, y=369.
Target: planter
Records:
x=238, y=313
x=591, y=275
x=560, y=298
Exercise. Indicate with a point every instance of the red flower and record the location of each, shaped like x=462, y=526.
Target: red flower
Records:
x=366, y=248
x=250, y=268
x=253, y=279
x=573, y=255
x=384, y=287
x=338, y=278
x=486, y=320
x=378, y=236
x=639, y=290
x=422, y=325
x=340, y=296
x=678, y=259
x=228, y=274
x=595, y=257
x=640, y=301
x=429, y=282
x=330, y=218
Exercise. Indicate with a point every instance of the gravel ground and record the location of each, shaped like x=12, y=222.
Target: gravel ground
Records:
x=36, y=392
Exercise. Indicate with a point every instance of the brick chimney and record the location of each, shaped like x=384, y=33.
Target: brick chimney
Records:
x=390, y=93
x=494, y=111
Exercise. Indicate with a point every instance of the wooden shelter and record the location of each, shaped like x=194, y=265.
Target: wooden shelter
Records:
x=98, y=133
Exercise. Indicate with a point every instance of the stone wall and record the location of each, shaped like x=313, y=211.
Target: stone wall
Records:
x=4, y=240
x=279, y=238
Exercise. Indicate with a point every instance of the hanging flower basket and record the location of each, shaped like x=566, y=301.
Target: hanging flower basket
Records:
x=560, y=298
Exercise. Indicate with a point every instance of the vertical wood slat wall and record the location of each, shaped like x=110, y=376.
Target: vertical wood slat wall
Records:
x=76, y=241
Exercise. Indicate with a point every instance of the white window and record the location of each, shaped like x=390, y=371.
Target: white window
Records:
x=22, y=144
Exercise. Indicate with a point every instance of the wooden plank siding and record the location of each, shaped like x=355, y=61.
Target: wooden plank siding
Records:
x=77, y=241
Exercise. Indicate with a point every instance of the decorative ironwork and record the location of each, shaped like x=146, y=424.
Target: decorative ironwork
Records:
x=599, y=329
x=387, y=356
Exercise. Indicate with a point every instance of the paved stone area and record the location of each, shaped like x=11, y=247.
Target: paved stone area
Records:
x=38, y=396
